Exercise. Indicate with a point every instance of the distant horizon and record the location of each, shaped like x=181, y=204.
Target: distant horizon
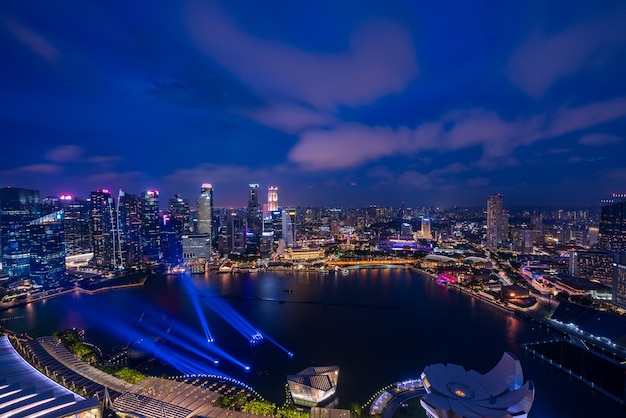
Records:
x=263, y=198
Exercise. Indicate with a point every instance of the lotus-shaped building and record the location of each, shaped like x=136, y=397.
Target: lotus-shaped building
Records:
x=453, y=392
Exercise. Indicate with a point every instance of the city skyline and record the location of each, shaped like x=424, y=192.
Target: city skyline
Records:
x=345, y=104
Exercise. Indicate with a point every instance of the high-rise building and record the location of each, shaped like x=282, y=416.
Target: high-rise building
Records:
x=77, y=224
x=205, y=209
x=289, y=227
x=254, y=221
x=494, y=221
x=619, y=282
x=272, y=199
x=425, y=231
x=180, y=215
x=171, y=241
x=103, y=229
x=128, y=236
x=612, y=228
x=150, y=226
x=18, y=207
x=47, y=252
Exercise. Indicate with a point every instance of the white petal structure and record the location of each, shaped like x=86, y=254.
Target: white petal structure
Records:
x=453, y=392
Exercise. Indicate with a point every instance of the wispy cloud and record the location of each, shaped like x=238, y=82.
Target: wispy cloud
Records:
x=64, y=153
x=600, y=139
x=546, y=59
x=34, y=169
x=351, y=145
x=381, y=60
x=31, y=39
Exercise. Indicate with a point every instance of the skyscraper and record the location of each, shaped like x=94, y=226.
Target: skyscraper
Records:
x=129, y=221
x=272, y=199
x=77, y=223
x=47, y=252
x=205, y=209
x=18, y=207
x=180, y=215
x=494, y=221
x=425, y=232
x=289, y=227
x=150, y=226
x=612, y=231
x=103, y=227
x=254, y=221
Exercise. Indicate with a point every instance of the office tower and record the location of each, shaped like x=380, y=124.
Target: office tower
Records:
x=289, y=227
x=205, y=209
x=494, y=221
x=233, y=234
x=150, y=226
x=103, y=227
x=619, y=282
x=593, y=234
x=525, y=240
x=171, y=241
x=254, y=220
x=47, y=253
x=180, y=215
x=129, y=217
x=18, y=207
x=612, y=228
x=77, y=223
x=272, y=199
x=425, y=232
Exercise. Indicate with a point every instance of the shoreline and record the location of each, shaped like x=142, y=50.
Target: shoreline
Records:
x=78, y=289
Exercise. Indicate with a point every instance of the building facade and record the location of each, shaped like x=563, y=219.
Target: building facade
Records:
x=494, y=222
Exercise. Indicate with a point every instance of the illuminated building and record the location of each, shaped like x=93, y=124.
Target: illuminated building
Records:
x=196, y=251
x=103, y=219
x=313, y=385
x=150, y=226
x=612, y=229
x=77, y=225
x=453, y=392
x=47, y=252
x=171, y=242
x=254, y=221
x=272, y=198
x=619, y=283
x=304, y=253
x=592, y=265
x=289, y=226
x=18, y=207
x=494, y=221
x=425, y=231
x=128, y=236
x=180, y=215
x=205, y=209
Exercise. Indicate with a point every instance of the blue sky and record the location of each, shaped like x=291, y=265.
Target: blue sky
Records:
x=334, y=102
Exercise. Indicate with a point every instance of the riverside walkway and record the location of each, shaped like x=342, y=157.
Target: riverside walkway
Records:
x=151, y=398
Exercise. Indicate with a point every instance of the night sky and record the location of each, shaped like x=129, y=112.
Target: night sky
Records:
x=335, y=102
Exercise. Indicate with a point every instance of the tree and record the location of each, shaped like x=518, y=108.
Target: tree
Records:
x=260, y=408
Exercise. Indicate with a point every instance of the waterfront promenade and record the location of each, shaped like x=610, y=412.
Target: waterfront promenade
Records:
x=150, y=398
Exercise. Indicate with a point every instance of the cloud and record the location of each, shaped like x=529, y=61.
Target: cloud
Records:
x=546, y=59
x=64, y=153
x=34, y=169
x=599, y=139
x=350, y=145
x=35, y=42
x=380, y=61
x=618, y=174
x=290, y=118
